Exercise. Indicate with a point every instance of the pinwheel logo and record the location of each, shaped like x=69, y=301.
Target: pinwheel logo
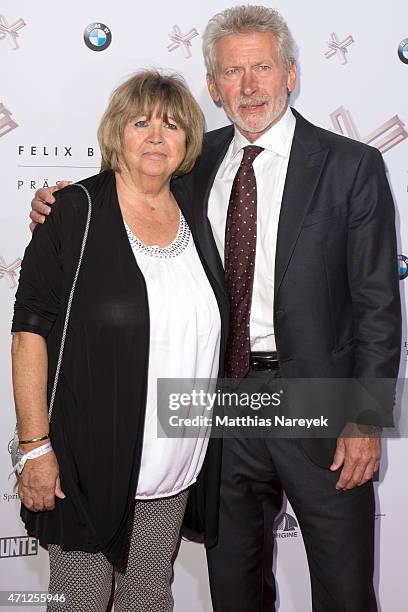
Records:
x=97, y=36
x=403, y=51
x=402, y=267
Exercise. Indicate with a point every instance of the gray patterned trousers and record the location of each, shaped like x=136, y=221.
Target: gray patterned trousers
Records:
x=86, y=578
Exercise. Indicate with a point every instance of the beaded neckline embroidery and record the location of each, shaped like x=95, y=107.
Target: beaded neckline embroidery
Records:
x=174, y=249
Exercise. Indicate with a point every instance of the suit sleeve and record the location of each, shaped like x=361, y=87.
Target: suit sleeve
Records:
x=38, y=296
x=374, y=283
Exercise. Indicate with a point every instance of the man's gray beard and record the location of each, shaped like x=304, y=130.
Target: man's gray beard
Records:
x=271, y=118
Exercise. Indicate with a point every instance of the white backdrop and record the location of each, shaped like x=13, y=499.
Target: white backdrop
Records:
x=53, y=89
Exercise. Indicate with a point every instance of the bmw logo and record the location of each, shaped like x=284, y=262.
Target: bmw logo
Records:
x=97, y=36
x=403, y=51
x=402, y=266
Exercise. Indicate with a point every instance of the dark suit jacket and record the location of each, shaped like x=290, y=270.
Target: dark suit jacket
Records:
x=336, y=300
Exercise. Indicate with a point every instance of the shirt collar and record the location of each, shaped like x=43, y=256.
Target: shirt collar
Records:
x=277, y=139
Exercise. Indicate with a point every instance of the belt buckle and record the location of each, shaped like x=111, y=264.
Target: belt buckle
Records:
x=264, y=361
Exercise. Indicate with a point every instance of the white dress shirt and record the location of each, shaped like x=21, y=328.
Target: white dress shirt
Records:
x=185, y=329
x=270, y=169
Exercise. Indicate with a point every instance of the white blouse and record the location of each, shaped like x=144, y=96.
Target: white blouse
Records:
x=185, y=331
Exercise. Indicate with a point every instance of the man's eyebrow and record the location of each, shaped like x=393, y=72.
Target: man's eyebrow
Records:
x=263, y=61
x=257, y=63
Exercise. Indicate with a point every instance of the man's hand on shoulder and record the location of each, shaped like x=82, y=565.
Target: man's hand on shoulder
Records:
x=359, y=452
x=42, y=202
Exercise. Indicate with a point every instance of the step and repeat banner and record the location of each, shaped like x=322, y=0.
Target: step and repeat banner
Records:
x=59, y=63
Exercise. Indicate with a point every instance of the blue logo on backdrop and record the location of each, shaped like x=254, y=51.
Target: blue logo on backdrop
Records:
x=97, y=36
x=402, y=267
x=403, y=50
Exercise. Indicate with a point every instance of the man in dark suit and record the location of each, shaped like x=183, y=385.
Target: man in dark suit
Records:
x=325, y=297
x=301, y=223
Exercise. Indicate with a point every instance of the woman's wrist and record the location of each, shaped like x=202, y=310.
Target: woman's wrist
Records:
x=34, y=440
x=34, y=453
x=25, y=448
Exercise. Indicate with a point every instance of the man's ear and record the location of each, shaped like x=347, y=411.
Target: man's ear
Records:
x=292, y=74
x=212, y=88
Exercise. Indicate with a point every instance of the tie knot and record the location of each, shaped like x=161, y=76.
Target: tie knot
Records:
x=250, y=153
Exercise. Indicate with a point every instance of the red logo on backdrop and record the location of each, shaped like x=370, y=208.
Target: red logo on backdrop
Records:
x=9, y=31
x=7, y=122
x=384, y=138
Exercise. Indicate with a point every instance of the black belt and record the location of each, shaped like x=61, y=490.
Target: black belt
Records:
x=260, y=360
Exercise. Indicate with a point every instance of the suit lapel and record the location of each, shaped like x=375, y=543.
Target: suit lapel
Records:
x=204, y=175
x=306, y=162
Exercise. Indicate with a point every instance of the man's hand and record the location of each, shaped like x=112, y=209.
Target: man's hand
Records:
x=42, y=202
x=359, y=452
x=39, y=483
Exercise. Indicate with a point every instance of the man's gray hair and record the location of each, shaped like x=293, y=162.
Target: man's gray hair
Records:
x=247, y=18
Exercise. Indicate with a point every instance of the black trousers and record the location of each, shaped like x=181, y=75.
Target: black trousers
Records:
x=337, y=528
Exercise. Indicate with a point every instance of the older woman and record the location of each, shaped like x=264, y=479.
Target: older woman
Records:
x=107, y=495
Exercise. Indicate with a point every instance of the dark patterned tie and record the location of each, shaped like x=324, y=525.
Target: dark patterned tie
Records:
x=239, y=253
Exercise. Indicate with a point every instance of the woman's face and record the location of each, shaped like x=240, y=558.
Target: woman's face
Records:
x=153, y=147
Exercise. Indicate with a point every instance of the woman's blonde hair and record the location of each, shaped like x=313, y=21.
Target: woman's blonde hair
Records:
x=140, y=95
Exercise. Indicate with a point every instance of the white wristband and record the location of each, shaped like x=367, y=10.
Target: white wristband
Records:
x=32, y=454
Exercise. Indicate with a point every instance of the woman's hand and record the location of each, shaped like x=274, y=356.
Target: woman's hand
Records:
x=40, y=483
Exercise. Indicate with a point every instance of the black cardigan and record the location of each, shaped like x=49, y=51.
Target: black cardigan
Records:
x=97, y=423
